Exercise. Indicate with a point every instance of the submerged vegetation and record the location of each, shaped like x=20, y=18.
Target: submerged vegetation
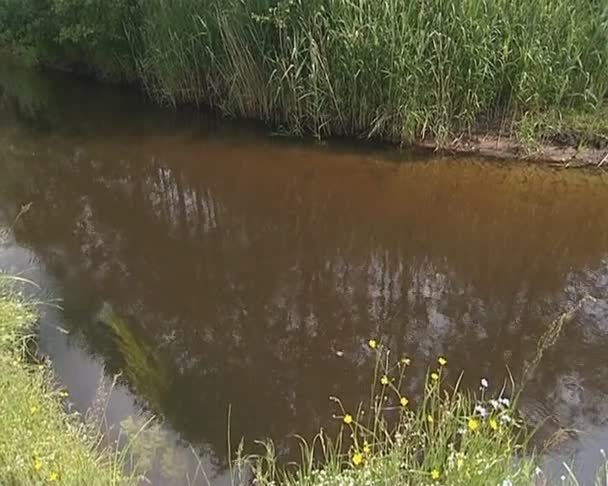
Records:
x=39, y=442
x=394, y=70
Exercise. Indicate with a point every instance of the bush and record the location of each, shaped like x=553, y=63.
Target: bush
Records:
x=93, y=36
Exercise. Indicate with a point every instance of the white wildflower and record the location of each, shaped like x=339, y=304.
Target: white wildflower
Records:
x=484, y=383
x=481, y=411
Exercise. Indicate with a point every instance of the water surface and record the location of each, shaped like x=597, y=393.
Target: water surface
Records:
x=216, y=267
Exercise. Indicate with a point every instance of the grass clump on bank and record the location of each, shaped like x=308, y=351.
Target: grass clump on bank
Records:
x=393, y=70
x=448, y=438
x=39, y=442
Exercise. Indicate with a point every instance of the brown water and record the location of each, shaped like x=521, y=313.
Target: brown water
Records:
x=215, y=266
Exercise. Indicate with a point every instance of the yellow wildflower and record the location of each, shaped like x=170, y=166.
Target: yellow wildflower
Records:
x=373, y=343
x=435, y=474
x=494, y=424
x=404, y=401
x=357, y=458
x=366, y=448
x=473, y=423
x=442, y=361
x=348, y=419
x=384, y=380
x=429, y=419
x=38, y=465
x=434, y=376
x=54, y=476
x=33, y=409
x=406, y=361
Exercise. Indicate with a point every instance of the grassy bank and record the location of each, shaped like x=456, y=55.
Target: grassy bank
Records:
x=39, y=442
x=446, y=437
x=449, y=437
x=392, y=70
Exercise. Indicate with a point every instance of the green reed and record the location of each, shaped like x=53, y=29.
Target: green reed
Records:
x=389, y=69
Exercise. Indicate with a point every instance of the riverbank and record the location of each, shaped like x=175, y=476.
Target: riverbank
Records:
x=39, y=442
x=406, y=73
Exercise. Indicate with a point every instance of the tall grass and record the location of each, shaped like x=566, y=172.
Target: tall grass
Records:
x=448, y=437
x=392, y=69
x=39, y=442
x=389, y=69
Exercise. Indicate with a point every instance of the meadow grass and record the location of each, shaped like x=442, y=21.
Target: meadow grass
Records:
x=448, y=437
x=391, y=69
x=40, y=442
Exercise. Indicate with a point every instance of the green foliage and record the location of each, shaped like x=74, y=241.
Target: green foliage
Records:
x=392, y=69
x=395, y=70
x=39, y=443
x=91, y=35
x=449, y=437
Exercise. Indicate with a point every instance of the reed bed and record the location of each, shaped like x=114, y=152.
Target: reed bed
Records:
x=393, y=70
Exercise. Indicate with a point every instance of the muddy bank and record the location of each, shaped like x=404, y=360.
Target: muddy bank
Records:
x=509, y=148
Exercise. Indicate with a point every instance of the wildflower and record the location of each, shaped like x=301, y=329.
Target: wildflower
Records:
x=442, y=361
x=429, y=419
x=33, y=410
x=357, y=458
x=484, y=383
x=434, y=376
x=435, y=474
x=507, y=482
x=563, y=478
x=538, y=471
x=493, y=424
x=504, y=401
x=54, y=476
x=406, y=361
x=384, y=380
x=404, y=401
x=348, y=419
x=473, y=423
x=461, y=431
x=494, y=404
x=373, y=343
x=366, y=448
x=398, y=438
x=505, y=418
x=38, y=465
x=481, y=410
